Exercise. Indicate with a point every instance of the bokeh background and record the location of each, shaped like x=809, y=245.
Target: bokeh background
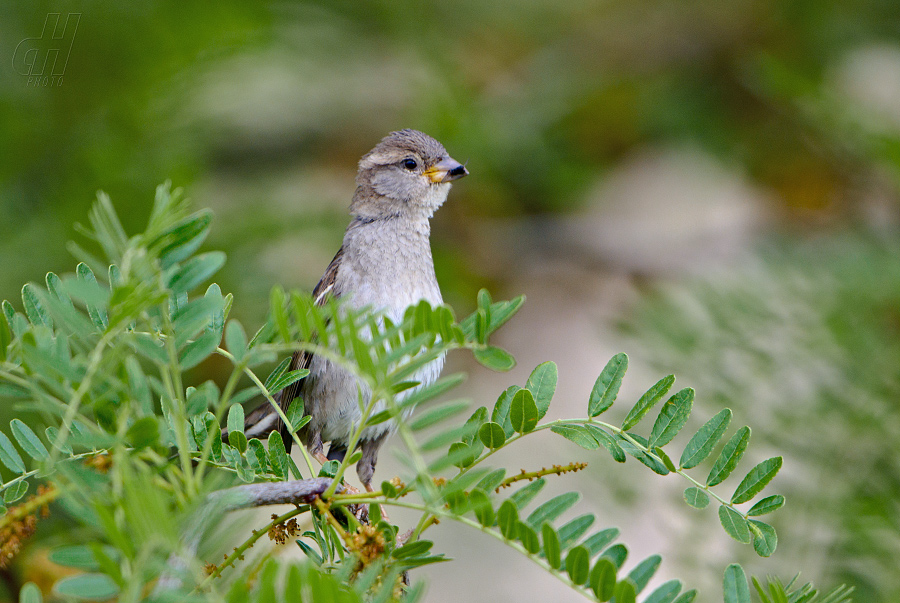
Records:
x=711, y=187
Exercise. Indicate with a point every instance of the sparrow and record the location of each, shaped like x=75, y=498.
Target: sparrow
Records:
x=384, y=262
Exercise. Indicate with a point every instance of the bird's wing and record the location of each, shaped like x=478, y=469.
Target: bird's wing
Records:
x=302, y=359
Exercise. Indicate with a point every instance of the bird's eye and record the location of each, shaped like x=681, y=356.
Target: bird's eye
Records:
x=410, y=164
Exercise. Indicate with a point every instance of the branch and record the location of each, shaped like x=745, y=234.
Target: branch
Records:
x=298, y=492
x=247, y=496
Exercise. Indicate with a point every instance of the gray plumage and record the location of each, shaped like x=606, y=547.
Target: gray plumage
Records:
x=385, y=261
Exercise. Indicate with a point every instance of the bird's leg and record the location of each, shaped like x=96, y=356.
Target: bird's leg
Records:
x=320, y=456
x=365, y=466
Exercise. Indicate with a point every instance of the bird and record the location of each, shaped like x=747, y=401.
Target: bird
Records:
x=384, y=262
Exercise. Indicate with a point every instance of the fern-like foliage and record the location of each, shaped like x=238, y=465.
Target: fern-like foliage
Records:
x=130, y=442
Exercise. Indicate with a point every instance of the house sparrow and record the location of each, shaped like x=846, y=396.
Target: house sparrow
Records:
x=385, y=262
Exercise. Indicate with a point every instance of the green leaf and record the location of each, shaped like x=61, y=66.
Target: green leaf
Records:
x=766, y=505
x=15, y=491
x=388, y=489
x=461, y=454
x=235, y=422
x=523, y=412
x=108, y=230
x=474, y=423
x=57, y=289
x=650, y=461
x=89, y=291
x=28, y=440
x=491, y=435
x=215, y=435
x=287, y=379
x=492, y=480
x=578, y=564
x=9, y=456
x=687, y=596
x=256, y=456
x=5, y=333
x=87, y=586
x=542, y=385
x=30, y=593
x=552, y=550
x=729, y=457
x=502, y=311
x=571, y=531
x=508, y=519
x=143, y=433
x=198, y=350
x=643, y=571
x=696, y=497
x=617, y=553
x=766, y=540
x=35, y=312
x=236, y=340
x=412, y=549
x=665, y=458
x=481, y=505
x=577, y=434
x=381, y=417
x=217, y=322
x=603, y=579
x=606, y=388
x=77, y=556
x=734, y=523
x=52, y=434
x=189, y=320
x=180, y=240
x=495, y=358
x=607, y=441
x=672, y=417
x=735, y=585
x=414, y=591
x=703, y=442
x=666, y=593
x=196, y=270
x=525, y=495
x=647, y=401
x=528, y=537
x=278, y=458
x=553, y=508
x=148, y=346
x=276, y=374
x=500, y=413
x=438, y=414
x=625, y=592
x=114, y=276
x=295, y=415
x=757, y=479
x=599, y=541
x=8, y=311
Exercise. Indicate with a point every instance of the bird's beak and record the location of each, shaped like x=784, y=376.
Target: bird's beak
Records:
x=446, y=170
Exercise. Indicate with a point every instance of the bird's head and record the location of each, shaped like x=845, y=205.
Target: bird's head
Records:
x=408, y=173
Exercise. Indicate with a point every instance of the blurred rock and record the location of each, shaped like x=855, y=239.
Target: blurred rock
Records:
x=670, y=210
x=870, y=78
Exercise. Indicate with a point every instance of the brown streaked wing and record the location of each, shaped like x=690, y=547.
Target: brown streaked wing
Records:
x=302, y=359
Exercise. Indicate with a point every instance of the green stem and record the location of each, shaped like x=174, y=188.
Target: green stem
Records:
x=240, y=550
x=443, y=514
x=173, y=382
x=220, y=411
x=74, y=404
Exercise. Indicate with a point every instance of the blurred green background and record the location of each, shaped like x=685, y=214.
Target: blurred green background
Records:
x=710, y=186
